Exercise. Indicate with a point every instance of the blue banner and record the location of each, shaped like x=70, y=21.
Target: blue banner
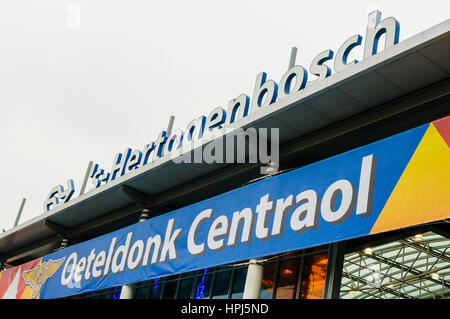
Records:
x=332, y=200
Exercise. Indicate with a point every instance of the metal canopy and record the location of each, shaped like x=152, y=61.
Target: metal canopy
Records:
x=412, y=267
x=412, y=64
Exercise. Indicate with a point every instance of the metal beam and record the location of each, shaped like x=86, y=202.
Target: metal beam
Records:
x=138, y=197
x=442, y=229
x=415, y=100
x=39, y=248
x=104, y=221
x=52, y=242
x=415, y=272
x=60, y=230
x=358, y=244
x=408, y=281
x=429, y=251
x=366, y=283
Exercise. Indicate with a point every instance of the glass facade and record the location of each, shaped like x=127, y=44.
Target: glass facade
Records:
x=295, y=275
x=314, y=272
x=110, y=293
x=413, y=266
x=299, y=274
x=222, y=282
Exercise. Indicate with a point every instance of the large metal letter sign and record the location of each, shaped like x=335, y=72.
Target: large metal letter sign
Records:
x=58, y=195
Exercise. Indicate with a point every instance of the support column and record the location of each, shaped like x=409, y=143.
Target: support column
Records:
x=20, y=212
x=292, y=57
x=336, y=254
x=128, y=291
x=253, y=281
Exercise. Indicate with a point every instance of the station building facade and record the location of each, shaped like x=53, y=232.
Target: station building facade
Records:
x=358, y=207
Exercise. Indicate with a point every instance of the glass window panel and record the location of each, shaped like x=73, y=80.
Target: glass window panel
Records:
x=170, y=289
x=221, y=285
x=287, y=279
x=142, y=289
x=313, y=277
x=203, y=286
x=110, y=293
x=105, y=296
x=267, y=281
x=144, y=283
x=149, y=289
x=116, y=293
x=141, y=292
x=186, y=286
x=92, y=295
x=239, y=282
x=155, y=291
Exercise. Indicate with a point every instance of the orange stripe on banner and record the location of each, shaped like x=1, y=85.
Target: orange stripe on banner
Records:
x=422, y=192
x=27, y=293
x=27, y=289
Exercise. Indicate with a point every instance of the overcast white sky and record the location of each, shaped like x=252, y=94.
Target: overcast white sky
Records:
x=70, y=95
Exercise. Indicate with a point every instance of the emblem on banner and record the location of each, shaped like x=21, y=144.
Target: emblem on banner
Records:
x=36, y=277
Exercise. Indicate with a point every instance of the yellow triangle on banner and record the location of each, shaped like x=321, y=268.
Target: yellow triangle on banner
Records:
x=423, y=191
